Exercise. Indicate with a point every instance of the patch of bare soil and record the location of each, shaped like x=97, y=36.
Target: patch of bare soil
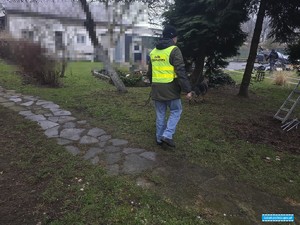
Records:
x=257, y=126
x=266, y=130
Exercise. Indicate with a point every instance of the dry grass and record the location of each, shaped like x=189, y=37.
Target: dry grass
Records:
x=281, y=77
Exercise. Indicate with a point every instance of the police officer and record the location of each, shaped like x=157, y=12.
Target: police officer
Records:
x=167, y=74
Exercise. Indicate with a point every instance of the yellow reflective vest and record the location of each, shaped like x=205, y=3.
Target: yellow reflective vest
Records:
x=162, y=70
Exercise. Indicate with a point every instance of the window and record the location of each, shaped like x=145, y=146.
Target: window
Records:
x=58, y=40
x=136, y=48
x=137, y=57
x=27, y=34
x=81, y=39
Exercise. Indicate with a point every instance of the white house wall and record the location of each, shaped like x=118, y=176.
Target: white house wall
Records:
x=114, y=45
x=44, y=32
x=77, y=50
x=44, y=17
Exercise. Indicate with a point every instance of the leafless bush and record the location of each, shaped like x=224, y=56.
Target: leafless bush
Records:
x=36, y=65
x=280, y=77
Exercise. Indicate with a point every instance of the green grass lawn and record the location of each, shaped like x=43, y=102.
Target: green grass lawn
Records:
x=212, y=134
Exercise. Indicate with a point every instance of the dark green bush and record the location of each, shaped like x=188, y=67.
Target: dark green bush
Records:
x=220, y=79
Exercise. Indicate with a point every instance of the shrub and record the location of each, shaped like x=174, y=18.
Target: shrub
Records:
x=36, y=64
x=122, y=70
x=134, y=79
x=6, y=43
x=220, y=79
x=130, y=79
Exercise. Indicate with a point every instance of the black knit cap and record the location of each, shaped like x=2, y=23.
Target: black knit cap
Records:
x=169, y=32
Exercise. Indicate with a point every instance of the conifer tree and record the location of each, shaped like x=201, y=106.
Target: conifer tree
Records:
x=209, y=31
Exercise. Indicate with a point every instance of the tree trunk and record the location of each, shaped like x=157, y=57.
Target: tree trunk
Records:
x=90, y=26
x=197, y=74
x=253, y=49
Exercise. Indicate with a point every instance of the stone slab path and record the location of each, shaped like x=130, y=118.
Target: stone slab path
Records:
x=78, y=137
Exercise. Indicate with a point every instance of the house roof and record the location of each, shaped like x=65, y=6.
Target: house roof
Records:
x=56, y=8
x=69, y=9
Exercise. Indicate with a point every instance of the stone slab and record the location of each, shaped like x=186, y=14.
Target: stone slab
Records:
x=73, y=150
x=27, y=103
x=26, y=113
x=71, y=134
x=36, y=118
x=65, y=119
x=53, y=118
x=149, y=155
x=61, y=113
x=50, y=106
x=112, y=158
x=15, y=99
x=92, y=152
x=42, y=102
x=52, y=132
x=69, y=125
x=132, y=150
x=96, y=132
x=111, y=149
x=118, y=142
x=135, y=164
x=104, y=138
x=45, y=124
x=102, y=144
x=88, y=140
x=61, y=119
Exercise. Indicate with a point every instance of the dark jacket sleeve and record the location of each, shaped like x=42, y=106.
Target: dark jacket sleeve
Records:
x=149, y=72
x=176, y=60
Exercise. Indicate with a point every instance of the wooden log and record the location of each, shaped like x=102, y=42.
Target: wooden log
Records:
x=100, y=75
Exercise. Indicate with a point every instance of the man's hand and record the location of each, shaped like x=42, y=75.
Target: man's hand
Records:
x=189, y=95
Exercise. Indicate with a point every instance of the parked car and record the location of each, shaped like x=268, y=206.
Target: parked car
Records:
x=283, y=58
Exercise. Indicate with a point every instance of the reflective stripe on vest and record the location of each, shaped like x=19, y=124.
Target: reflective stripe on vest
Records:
x=162, y=70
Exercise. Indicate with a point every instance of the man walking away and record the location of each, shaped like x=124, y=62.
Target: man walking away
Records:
x=272, y=57
x=167, y=74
